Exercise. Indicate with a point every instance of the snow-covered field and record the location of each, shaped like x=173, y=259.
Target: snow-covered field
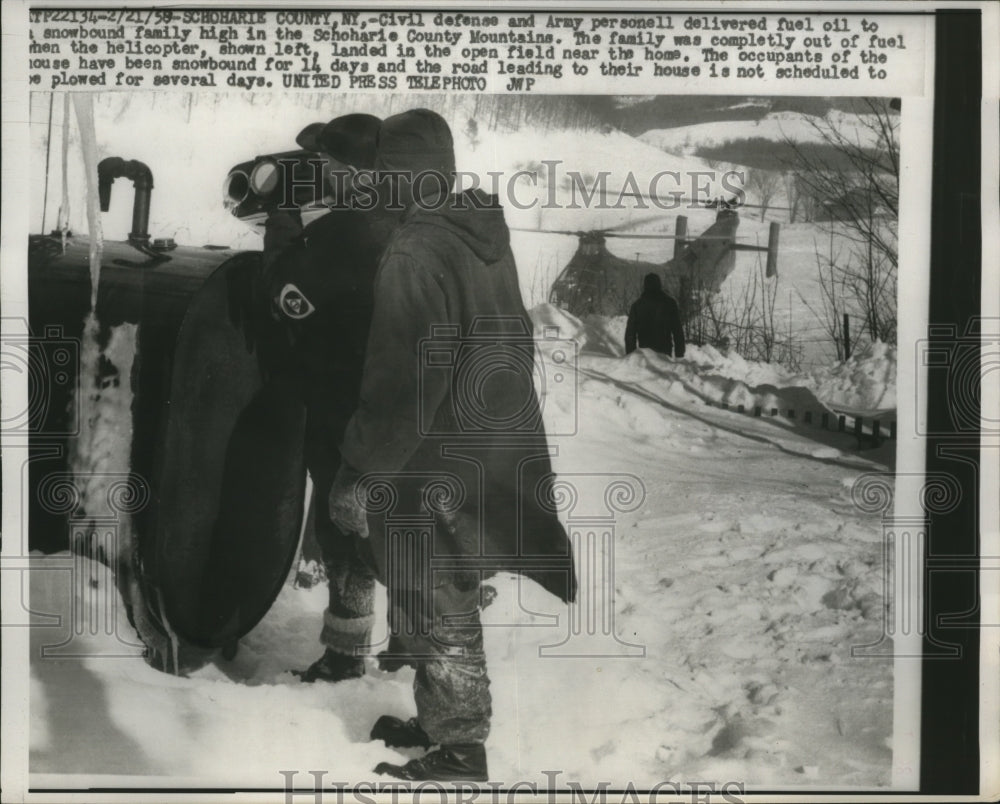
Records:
x=744, y=578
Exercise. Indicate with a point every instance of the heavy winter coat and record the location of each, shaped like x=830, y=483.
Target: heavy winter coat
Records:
x=655, y=323
x=448, y=402
x=332, y=262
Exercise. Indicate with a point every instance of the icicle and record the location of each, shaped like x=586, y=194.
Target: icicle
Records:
x=48, y=154
x=100, y=454
x=62, y=221
x=84, y=105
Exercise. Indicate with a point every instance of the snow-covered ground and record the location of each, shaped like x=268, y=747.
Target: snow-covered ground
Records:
x=742, y=580
x=744, y=577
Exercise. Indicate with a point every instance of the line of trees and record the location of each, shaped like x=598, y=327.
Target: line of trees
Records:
x=860, y=192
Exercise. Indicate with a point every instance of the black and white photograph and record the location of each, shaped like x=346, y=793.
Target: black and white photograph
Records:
x=382, y=426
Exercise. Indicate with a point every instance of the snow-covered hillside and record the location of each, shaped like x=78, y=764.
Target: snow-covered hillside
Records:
x=776, y=126
x=741, y=583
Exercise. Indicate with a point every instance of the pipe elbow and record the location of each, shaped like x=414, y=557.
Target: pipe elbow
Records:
x=114, y=167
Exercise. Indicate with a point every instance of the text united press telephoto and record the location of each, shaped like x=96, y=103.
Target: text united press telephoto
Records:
x=463, y=399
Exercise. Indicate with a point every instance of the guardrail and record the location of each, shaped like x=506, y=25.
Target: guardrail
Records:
x=863, y=428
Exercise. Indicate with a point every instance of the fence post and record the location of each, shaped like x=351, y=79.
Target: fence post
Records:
x=680, y=230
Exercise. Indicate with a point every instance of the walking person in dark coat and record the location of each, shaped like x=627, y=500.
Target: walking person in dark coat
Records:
x=447, y=309
x=320, y=283
x=654, y=322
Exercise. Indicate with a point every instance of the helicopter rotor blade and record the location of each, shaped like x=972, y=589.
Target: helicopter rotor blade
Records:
x=624, y=235
x=642, y=236
x=711, y=203
x=571, y=232
x=628, y=224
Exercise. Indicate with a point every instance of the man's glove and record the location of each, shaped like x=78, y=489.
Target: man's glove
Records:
x=346, y=507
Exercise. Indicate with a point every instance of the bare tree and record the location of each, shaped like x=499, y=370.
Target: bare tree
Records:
x=835, y=297
x=741, y=319
x=764, y=184
x=855, y=179
x=472, y=133
x=799, y=202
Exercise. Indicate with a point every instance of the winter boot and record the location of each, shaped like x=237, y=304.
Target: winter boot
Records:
x=465, y=762
x=332, y=666
x=396, y=733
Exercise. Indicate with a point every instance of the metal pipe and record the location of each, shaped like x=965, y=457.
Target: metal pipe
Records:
x=141, y=176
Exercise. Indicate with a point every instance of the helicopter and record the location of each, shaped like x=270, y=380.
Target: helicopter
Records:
x=595, y=281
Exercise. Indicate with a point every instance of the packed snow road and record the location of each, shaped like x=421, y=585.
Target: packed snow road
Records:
x=716, y=645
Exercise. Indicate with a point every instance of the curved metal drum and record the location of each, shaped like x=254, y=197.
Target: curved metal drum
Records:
x=215, y=435
x=232, y=478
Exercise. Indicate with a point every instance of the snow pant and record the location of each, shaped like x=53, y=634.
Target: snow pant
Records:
x=442, y=636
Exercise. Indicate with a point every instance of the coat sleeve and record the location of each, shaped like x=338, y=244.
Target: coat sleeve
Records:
x=385, y=430
x=630, y=331
x=676, y=329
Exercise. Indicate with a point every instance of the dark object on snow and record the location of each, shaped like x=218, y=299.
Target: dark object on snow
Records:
x=449, y=763
x=332, y=666
x=398, y=733
x=654, y=322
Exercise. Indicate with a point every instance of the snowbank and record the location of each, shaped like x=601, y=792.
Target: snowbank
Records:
x=865, y=384
x=593, y=334
x=866, y=381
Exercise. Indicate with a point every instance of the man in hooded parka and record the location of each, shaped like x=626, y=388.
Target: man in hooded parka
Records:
x=446, y=458
x=319, y=284
x=654, y=322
